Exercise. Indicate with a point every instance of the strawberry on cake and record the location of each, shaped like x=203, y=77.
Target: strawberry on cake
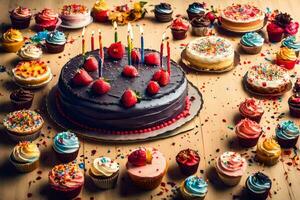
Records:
x=242, y=18
x=75, y=15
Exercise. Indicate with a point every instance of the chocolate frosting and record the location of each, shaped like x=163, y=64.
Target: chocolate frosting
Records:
x=21, y=95
x=200, y=21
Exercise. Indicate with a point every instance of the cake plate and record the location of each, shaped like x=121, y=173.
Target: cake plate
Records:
x=96, y=135
x=77, y=26
x=187, y=63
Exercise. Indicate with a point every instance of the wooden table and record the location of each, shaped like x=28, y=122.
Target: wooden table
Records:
x=212, y=133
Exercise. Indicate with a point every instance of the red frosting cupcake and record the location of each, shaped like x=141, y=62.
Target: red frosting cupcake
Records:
x=47, y=19
x=275, y=32
x=179, y=27
x=248, y=132
x=20, y=17
x=294, y=105
x=252, y=109
x=188, y=161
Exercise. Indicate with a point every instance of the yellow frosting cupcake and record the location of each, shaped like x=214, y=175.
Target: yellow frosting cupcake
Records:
x=12, y=40
x=286, y=54
x=268, y=151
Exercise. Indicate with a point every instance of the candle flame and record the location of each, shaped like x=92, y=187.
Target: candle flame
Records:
x=93, y=32
x=163, y=36
x=83, y=31
x=141, y=30
x=115, y=25
x=99, y=31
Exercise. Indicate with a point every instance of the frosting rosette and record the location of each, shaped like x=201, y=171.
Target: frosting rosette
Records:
x=196, y=8
x=21, y=13
x=25, y=152
x=251, y=107
x=163, y=8
x=287, y=130
x=66, y=176
x=56, y=37
x=247, y=128
x=30, y=52
x=268, y=147
x=258, y=183
x=180, y=24
x=286, y=54
x=104, y=167
x=252, y=39
x=231, y=164
x=12, y=35
x=292, y=28
x=291, y=43
x=195, y=186
x=46, y=17
x=65, y=142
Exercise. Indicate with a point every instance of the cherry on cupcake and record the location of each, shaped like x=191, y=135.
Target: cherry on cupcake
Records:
x=130, y=98
x=82, y=78
x=91, y=64
x=101, y=86
x=116, y=51
x=152, y=59
x=130, y=71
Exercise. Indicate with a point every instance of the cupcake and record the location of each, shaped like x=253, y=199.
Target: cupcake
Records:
x=296, y=88
x=258, y=186
x=163, y=12
x=21, y=99
x=55, y=42
x=179, y=27
x=286, y=58
x=47, y=19
x=66, y=180
x=285, y=21
x=100, y=11
x=287, y=134
x=251, y=108
x=275, y=32
x=104, y=172
x=23, y=125
x=248, y=132
x=146, y=167
x=252, y=42
x=12, y=40
x=193, y=187
x=294, y=105
x=195, y=10
x=188, y=161
x=291, y=43
x=200, y=25
x=230, y=167
x=30, y=52
x=66, y=146
x=20, y=17
x=268, y=151
x=25, y=156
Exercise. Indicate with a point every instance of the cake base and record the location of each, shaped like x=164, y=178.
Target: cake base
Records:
x=98, y=135
x=77, y=26
x=187, y=63
x=34, y=86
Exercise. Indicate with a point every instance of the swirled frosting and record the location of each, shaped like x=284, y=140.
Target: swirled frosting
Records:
x=290, y=42
x=66, y=176
x=12, y=35
x=252, y=39
x=231, y=164
x=104, y=167
x=195, y=186
x=21, y=95
x=26, y=152
x=65, y=142
x=268, y=147
x=188, y=157
x=286, y=54
x=100, y=6
x=294, y=101
x=163, y=8
x=56, y=37
x=30, y=52
x=287, y=130
x=46, y=17
x=258, y=183
x=200, y=21
x=247, y=128
x=180, y=24
x=21, y=13
x=251, y=107
x=196, y=8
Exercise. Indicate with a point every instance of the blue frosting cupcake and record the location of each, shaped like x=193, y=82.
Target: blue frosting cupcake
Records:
x=252, y=42
x=163, y=12
x=291, y=43
x=194, y=187
x=66, y=146
x=195, y=9
x=258, y=185
x=287, y=133
x=55, y=42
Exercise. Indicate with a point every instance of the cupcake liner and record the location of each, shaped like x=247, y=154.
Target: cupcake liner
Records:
x=286, y=144
x=188, y=170
x=20, y=24
x=66, y=157
x=55, y=48
x=248, y=142
x=275, y=37
x=287, y=64
x=106, y=183
x=199, y=31
x=147, y=183
x=19, y=137
x=12, y=47
x=295, y=112
x=19, y=105
x=270, y=161
x=24, y=168
x=66, y=193
x=179, y=34
x=100, y=16
x=229, y=180
x=187, y=196
x=251, y=50
x=253, y=118
x=163, y=17
x=41, y=27
x=257, y=196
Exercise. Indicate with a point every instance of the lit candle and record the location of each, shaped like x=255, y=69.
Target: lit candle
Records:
x=116, y=31
x=92, y=41
x=162, y=48
x=131, y=37
x=142, y=44
x=100, y=45
x=83, y=41
x=168, y=57
x=128, y=44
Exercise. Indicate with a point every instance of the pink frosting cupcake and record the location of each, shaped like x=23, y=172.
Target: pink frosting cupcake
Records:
x=251, y=108
x=230, y=167
x=248, y=132
x=20, y=17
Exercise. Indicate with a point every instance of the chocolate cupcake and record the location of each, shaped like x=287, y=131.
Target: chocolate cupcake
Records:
x=200, y=25
x=188, y=161
x=21, y=99
x=20, y=17
x=287, y=134
x=179, y=28
x=163, y=12
x=195, y=10
x=296, y=88
x=294, y=105
x=55, y=42
x=258, y=186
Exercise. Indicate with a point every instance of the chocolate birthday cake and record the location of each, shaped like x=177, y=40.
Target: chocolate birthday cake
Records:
x=130, y=101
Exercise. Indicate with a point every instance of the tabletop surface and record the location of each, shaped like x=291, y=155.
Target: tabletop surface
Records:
x=211, y=131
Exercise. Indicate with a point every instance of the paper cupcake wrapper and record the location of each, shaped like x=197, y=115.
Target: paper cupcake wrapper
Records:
x=66, y=157
x=230, y=181
x=66, y=194
x=267, y=160
x=106, y=183
x=24, y=168
x=18, y=138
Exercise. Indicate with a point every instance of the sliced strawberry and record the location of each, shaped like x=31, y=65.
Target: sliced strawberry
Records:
x=101, y=86
x=164, y=78
x=152, y=58
x=135, y=56
x=129, y=98
x=116, y=51
x=153, y=87
x=130, y=71
x=91, y=64
x=82, y=78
